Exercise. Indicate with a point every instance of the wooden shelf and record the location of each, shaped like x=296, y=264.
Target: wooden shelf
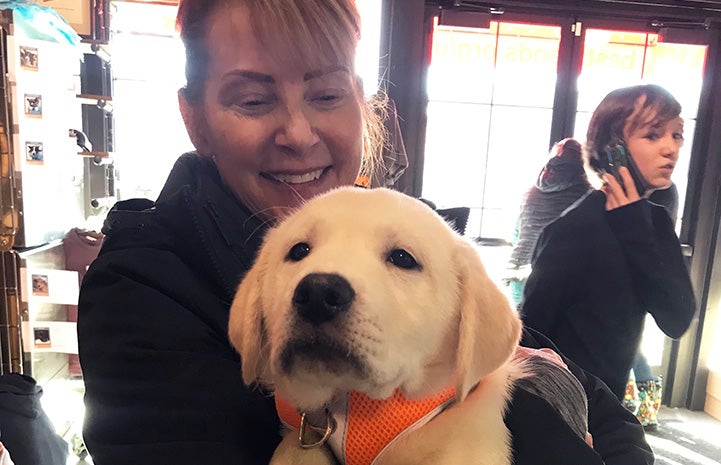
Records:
x=96, y=154
x=101, y=101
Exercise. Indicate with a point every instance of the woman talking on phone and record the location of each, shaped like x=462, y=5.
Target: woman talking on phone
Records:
x=614, y=256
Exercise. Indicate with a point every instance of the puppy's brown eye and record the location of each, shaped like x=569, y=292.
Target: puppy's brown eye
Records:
x=298, y=252
x=402, y=259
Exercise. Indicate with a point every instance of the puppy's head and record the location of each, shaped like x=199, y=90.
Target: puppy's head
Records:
x=368, y=290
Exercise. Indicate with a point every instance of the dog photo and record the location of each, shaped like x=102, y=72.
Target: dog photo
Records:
x=40, y=285
x=29, y=58
x=34, y=105
x=34, y=152
x=41, y=336
x=366, y=306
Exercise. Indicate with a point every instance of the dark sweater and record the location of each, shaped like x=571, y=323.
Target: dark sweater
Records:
x=595, y=276
x=163, y=384
x=559, y=185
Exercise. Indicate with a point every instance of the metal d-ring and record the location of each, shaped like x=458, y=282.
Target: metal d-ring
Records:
x=326, y=432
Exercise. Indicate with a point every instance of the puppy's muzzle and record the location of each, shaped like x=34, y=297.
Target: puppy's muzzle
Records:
x=321, y=297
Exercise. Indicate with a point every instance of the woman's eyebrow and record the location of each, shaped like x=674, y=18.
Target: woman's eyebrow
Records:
x=660, y=125
x=323, y=71
x=251, y=76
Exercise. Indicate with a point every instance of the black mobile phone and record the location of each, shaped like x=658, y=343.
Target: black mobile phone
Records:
x=616, y=156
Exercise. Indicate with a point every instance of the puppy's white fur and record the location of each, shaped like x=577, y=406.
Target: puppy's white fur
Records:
x=420, y=329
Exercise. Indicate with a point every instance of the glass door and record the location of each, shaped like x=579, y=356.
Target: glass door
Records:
x=491, y=94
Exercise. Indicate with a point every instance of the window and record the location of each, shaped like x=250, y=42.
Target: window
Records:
x=490, y=106
x=148, y=62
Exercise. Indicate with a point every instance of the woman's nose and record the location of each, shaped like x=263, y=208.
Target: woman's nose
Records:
x=297, y=133
x=671, y=146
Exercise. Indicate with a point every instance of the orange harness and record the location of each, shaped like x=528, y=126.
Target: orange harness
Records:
x=365, y=426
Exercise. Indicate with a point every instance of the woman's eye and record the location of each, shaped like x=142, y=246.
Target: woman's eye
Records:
x=298, y=252
x=678, y=135
x=328, y=99
x=253, y=104
x=652, y=136
x=402, y=259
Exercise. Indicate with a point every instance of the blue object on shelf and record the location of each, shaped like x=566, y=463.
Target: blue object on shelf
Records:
x=41, y=22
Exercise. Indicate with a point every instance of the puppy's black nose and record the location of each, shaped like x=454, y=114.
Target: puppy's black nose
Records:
x=320, y=297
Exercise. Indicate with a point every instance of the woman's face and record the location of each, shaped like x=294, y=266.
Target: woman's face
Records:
x=278, y=134
x=654, y=148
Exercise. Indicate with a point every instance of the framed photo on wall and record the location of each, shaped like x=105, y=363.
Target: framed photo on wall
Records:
x=29, y=59
x=33, y=105
x=34, y=153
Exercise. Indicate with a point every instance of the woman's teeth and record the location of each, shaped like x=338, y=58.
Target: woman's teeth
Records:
x=298, y=178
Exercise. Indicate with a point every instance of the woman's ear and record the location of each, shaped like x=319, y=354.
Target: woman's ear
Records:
x=195, y=124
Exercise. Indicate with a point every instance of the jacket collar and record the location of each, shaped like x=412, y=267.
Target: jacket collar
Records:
x=195, y=217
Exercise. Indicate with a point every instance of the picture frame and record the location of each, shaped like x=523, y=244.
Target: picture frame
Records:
x=29, y=59
x=33, y=104
x=40, y=285
x=41, y=337
x=34, y=152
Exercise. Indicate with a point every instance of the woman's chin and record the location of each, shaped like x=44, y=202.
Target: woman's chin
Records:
x=293, y=195
x=661, y=183
x=310, y=189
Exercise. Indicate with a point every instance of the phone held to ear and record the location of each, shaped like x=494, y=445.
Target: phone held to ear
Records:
x=617, y=156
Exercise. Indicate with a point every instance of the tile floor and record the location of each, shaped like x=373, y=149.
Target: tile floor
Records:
x=686, y=437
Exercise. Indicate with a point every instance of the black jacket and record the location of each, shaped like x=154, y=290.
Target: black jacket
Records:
x=163, y=384
x=596, y=274
x=25, y=429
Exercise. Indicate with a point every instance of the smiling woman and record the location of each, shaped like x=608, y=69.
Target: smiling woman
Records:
x=266, y=107
x=275, y=118
x=156, y=73
x=277, y=115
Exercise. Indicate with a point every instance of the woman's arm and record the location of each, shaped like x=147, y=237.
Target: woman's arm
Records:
x=162, y=383
x=656, y=265
x=617, y=436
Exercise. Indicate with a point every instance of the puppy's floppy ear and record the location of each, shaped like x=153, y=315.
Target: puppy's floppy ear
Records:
x=245, y=325
x=489, y=328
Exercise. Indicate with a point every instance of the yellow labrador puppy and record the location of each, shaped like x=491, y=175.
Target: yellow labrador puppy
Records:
x=365, y=295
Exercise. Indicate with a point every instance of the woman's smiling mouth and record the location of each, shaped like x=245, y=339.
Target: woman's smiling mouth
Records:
x=295, y=178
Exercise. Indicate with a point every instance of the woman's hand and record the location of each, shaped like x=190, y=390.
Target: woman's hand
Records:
x=617, y=195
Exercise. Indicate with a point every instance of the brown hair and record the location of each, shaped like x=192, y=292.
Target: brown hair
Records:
x=612, y=115
x=319, y=32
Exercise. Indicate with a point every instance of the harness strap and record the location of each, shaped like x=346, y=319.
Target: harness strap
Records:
x=366, y=426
